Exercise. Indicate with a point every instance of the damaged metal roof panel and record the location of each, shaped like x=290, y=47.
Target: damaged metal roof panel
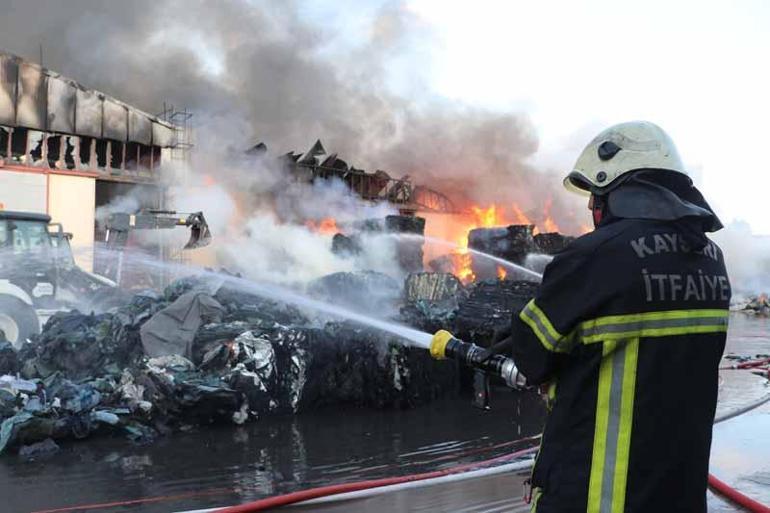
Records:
x=115, y=117
x=32, y=96
x=316, y=151
x=139, y=127
x=61, y=104
x=36, y=98
x=163, y=134
x=9, y=76
x=88, y=113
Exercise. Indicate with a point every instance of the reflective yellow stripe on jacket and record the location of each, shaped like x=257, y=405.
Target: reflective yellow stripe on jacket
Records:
x=551, y=339
x=620, y=336
x=653, y=324
x=620, y=327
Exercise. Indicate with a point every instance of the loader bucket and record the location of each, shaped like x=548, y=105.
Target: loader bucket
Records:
x=200, y=235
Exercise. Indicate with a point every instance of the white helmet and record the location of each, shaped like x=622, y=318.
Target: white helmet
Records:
x=620, y=149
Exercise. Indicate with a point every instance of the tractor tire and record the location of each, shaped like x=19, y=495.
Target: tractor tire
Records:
x=18, y=321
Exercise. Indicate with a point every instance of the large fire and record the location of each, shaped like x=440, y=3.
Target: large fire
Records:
x=456, y=228
x=479, y=218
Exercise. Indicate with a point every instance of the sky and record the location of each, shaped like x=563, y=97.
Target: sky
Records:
x=697, y=68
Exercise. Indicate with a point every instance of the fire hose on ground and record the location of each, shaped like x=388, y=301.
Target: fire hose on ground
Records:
x=346, y=488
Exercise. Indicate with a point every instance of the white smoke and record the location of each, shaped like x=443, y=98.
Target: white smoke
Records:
x=128, y=203
x=263, y=221
x=747, y=257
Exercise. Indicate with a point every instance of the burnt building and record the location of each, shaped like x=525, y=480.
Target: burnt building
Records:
x=65, y=149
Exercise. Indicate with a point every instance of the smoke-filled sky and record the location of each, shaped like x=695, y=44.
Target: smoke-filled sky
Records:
x=490, y=99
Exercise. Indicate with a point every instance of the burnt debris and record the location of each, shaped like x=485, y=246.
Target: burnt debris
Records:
x=317, y=164
x=204, y=351
x=242, y=357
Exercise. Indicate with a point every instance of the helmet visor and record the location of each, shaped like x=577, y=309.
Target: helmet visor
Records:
x=577, y=182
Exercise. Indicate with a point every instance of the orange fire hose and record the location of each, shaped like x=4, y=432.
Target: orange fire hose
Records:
x=736, y=497
x=325, y=491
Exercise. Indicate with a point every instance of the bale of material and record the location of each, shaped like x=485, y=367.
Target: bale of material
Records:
x=431, y=287
x=364, y=291
x=431, y=300
x=489, y=308
x=348, y=364
x=512, y=243
x=408, y=250
x=405, y=224
x=552, y=242
x=345, y=246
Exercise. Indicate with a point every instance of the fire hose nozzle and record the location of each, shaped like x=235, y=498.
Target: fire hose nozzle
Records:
x=438, y=344
x=445, y=345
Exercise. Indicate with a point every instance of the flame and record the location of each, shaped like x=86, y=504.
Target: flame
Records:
x=462, y=264
x=518, y=215
x=477, y=217
x=549, y=225
x=501, y=272
x=326, y=226
x=485, y=217
x=461, y=260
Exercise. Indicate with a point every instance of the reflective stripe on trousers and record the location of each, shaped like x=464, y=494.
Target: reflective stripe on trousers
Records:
x=614, y=418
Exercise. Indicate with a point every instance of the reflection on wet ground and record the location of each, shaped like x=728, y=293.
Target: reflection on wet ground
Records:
x=227, y=465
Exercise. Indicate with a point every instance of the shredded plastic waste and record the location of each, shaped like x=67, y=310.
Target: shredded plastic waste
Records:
x=204, y=352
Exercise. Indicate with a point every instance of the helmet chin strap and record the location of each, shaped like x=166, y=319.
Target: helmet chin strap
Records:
x=597, y=210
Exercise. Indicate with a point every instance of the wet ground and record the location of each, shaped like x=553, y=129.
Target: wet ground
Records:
x=740, y=454
x=228, y=465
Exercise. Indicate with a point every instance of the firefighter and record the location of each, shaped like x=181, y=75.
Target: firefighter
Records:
x=627, y=331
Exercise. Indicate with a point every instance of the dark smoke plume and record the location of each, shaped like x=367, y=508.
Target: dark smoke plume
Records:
x=253, y=70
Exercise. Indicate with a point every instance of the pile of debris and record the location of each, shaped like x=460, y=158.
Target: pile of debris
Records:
x=756, y=305
x=203, y=353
